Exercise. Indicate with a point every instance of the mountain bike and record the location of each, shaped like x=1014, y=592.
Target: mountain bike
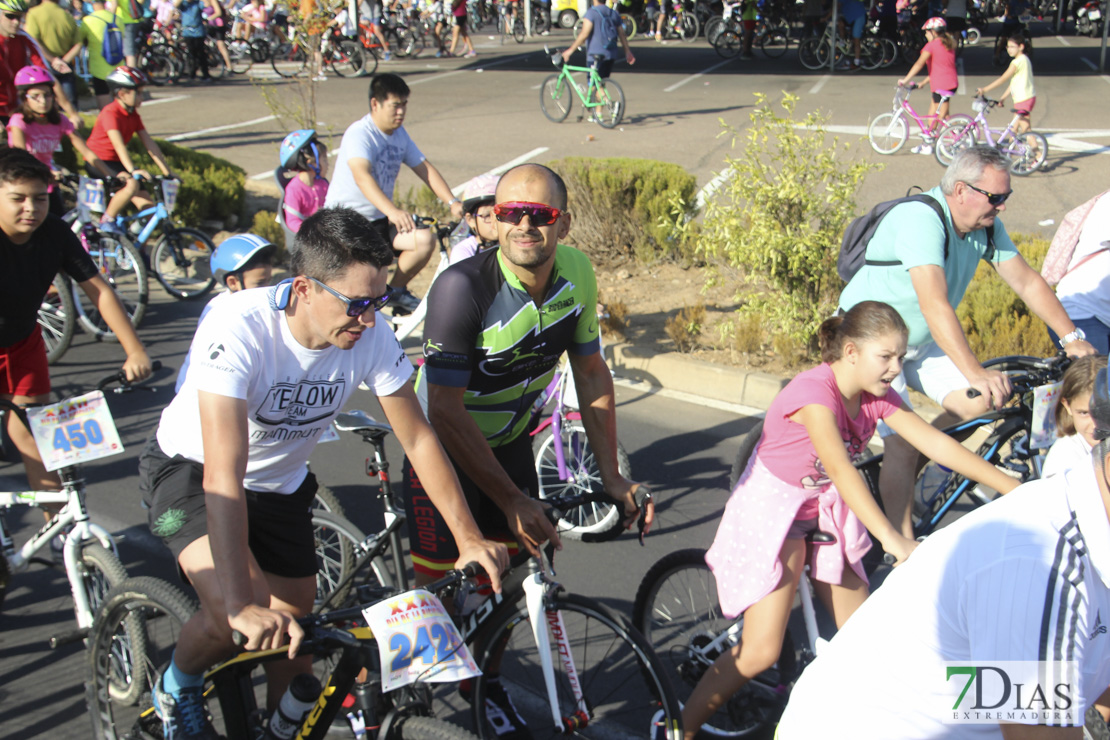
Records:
x=69, y=433
x=1027, y=152
x=602, y=99
x=889, y=132
x=143, y=617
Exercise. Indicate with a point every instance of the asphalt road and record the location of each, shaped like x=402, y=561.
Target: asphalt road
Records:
x=470, y=117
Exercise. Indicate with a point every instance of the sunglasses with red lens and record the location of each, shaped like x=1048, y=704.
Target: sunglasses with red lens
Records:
x=538, y=213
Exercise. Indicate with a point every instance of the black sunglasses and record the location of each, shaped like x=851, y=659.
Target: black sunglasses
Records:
x=14, y=16
x=995, y=199
x=357, y=307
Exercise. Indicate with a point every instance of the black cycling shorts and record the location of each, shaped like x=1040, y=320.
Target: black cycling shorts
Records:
x=603, y=65
x=279, y=525
x=430, y=542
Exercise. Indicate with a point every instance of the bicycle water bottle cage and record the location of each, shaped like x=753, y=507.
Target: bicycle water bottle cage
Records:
x=280, y=293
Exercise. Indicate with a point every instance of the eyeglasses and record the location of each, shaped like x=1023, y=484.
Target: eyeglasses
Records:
x=40, y=97
x=487, y=217
x=14, y=16
x=995, y=199
x=538, y=213
x=357, y=307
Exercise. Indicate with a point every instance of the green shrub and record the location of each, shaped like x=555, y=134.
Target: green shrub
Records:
x=780, y=215
x=266, y=226
x=684, y=328
x=420, y=200
x=627, y=207
x=995, y=320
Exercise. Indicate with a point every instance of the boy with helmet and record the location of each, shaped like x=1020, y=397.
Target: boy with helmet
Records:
x=121, y=116
x=304, y=194
x=478, y=199
x=1018, y=585
x=17, y=50
x=240, y=262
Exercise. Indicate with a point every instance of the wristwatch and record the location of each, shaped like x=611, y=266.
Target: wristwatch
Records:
x=1069, y=338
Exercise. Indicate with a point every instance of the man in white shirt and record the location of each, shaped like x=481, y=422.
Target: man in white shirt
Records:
x=1023, y=579
x=225, y=475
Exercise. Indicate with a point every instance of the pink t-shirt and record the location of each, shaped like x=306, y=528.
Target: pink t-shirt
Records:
x=301, y=201
x=942, y=67
x=42, y=138
x=786, y=448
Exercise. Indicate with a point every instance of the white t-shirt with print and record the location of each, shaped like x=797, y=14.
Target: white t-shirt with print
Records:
x=1027, y=573
x=245, y=349
x=364, y=140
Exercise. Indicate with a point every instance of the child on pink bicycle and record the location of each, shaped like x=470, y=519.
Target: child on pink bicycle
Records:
x=939, y=55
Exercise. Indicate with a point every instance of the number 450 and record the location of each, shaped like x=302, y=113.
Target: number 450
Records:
x=77, y=435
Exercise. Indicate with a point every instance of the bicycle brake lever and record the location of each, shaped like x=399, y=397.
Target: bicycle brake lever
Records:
x=643, y=498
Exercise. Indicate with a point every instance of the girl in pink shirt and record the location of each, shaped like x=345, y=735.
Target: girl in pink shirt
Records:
x=303, y=153
x=801, y=479
x=939, y=55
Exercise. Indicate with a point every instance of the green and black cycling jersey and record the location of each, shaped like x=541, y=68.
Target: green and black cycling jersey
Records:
x=484, y=333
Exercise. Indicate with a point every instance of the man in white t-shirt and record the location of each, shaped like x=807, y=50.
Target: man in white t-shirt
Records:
x=1023, y=579
x=225, y=477
x=366, y=170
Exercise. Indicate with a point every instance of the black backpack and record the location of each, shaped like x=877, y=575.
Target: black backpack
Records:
x=853, y=248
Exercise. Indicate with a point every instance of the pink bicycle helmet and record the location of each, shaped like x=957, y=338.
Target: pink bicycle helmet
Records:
x=32, y=75
x=935, y=24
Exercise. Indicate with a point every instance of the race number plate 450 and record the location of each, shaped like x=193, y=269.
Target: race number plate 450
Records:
x=418, y=641
x=75, y=430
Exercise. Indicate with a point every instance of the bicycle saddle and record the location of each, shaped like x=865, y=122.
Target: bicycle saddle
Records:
x=362, y=423
x=817, y=537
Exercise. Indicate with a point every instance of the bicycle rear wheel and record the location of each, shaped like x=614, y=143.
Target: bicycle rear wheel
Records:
x=287, y=59
x=727, y=44
x=181, y=262
x=239, y=52
x=1027, y=152
x=519, y=30
x=775, y=42
x=610, y=109
x=555, y=98
x=813, y=53
x=58, y=319
x=677, y=611
x=346, y=58
x=122, y=267
x=629, y=24
x=620, y=678
x=954, y=136
x=888, y=133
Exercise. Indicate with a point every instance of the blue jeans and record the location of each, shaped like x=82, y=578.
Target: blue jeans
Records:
x=1098, y=334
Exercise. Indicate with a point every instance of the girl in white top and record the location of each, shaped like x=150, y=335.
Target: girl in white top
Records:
x=1074, y=425
x=1020, y=76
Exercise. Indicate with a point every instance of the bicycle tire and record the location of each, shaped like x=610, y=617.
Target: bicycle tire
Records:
x=677, y=611
x=813, y=54
x=519, y=31
x=871, y=54
x=192, y=277
x=414, y=727
x=624, y=688
x=159, y=66
x=555, y=98
x=1027, y=152
x=347, y=58
x=124, y=269
x=57, y=319
x=239, y=52
x=595, y=522
x=141, y=617
x=326, y=501
x=888, y=133
x=727, y=44
x=288, y=60
x=260, y=51
x=629, y=24
x=406, y=42
x=713, y=28
x=370, y=61
x=774, y=43
x=338, y=545
x=747, y=447
x=890, y=52
x=689, y=28
x=610, y=109
x=955, y=136
x=101, y=571
x=217, y=67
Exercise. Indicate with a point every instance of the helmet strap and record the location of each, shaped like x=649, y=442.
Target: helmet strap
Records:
x=315, y=158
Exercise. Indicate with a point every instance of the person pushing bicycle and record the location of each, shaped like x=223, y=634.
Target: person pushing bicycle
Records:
x=225, y=472
x=601, y=30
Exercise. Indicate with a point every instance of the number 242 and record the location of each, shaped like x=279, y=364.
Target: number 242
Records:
x=431, y=649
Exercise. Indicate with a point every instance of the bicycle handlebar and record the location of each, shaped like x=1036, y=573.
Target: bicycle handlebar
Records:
x=1030, y=372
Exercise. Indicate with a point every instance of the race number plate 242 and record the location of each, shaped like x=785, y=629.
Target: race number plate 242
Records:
x=75, y=430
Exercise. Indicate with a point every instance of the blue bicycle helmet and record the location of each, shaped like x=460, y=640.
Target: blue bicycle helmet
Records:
x=235, y=252
x=290, y=152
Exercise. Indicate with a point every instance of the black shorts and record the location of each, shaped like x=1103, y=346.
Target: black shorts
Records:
x=100, y=87
x=460, y=22
x=387, y=231
x=603, y=66
x=938, y=98
x=279, y=525
x=430, y=542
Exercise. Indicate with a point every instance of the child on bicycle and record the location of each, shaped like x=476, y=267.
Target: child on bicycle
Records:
x=939, y=55
x=478, y=200
x=1020, y=76
x=304, y=195
x=116, y=125
x=1074, y=425
x=39, y=127
x=801, y=479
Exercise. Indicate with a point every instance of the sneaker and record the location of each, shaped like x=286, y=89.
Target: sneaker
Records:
x=109, y=227
x=472, y=53
x=922, y=149
x=501, y=714
x=387, y=57
x=404, y=300
x=320, y=78
x=184, y=717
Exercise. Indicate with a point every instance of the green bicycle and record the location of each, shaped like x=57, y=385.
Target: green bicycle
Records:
x=602, y=98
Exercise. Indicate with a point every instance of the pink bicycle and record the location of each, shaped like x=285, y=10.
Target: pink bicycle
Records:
x=889, y=132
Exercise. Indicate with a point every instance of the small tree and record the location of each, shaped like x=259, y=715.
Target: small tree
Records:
x=780, y=215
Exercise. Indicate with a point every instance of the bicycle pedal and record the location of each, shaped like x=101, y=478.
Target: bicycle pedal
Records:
x=65, y=638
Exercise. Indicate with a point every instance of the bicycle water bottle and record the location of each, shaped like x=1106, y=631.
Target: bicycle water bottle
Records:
x=298, y=699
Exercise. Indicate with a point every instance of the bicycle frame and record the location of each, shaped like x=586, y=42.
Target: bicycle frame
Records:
x=902, y=107
x=157, y=213
x=593, y=83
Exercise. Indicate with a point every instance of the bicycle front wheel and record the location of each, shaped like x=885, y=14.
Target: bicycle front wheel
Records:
x=727, y=44
x=813, y=53
x=955, y=136
x=629, y=24
x=346, y=58
x=620, y=679
x=101, y=571
x=121, y=265
x=594, y=522
x=555, y=98
x=287, y=59
x=181, y=263
x=677, y=611
x=132, y=638
x=610, y=104
x=888, y=133
x=339, y=558
x=518, y=30
x=775, y=42
x=57, y=319
x=239, y=52
x=428, y=728
x=1027, y=152
x=689, y=28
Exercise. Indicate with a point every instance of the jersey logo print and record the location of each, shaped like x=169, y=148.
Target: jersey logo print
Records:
x=301, y=403
x=1100, y=628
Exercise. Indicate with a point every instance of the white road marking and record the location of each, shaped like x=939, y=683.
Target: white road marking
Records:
x=214, y=129
x=642, y=386
x=711, y=187
x=463, y=71
x=458, y=190
x=1063, y=41
x=693, y=77
x=1092, y=65
x=171, y=99
x=820, y=83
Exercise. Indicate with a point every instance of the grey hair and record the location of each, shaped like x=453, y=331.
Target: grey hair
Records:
x=968, y=165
